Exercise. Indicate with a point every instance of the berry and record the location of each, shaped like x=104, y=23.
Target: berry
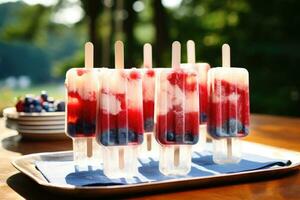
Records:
x=109, y=137
x=80, y=72
x=51, y=108
x=45, y=106
x=148, y=125
x=215, y=131
x=38, y=108
x=150, y=73
x=132, y=136
x=232, y=127
x=28, y=100
x=134, y=75
x=31, y=108
x=179, y=138
x=36, y=102
x=245, y=130
x=44, y=95
x=88, y=128
x=71, y=129
x=140, y=138
x=26, y=109
x=20, y=106
x=170, y=136
x=203, y=117
x=122, y=136
x=188, y=137
x=60, y=107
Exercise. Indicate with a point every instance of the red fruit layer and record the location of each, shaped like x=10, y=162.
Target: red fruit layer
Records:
x=134, y=75
x=148, y=109
x=132, y=119
x=80, y=72
x=79, y=109
x=222, y=111
x=203, y=99
x=176, y=123
x=182, y=80
x=150, y=73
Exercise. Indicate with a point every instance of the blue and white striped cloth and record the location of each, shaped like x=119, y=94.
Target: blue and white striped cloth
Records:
x=63, y=172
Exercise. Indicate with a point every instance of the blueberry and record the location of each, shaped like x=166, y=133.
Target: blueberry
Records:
x=71, y=129
x=203, y=117
x=215, y=131
x=45, y=106
x=36, y=102
x=122, y=136
x=104, y=138
x=188, y=137
x=113, y=137
x=28, y=100
x=245, y=130
x=170, y=136
x=44, y=95
x=132, y=136
x=88, y=128
x=140, y=138
x=38, y=108
x=232, y=127
x=31, y=108
x=60, y=107
x=179, y=138
x=51, y=107
x=27, y=108
x=109, y=137
x=148, y=124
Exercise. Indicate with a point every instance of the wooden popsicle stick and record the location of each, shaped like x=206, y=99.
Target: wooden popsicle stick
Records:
x=121, y=158
x=225, y=55
x=176, y=155
x=88, y=55
x=89, y=147
x=147, y=51
x=119, y=64
x=176, y=55
x=191, y=56
x=229, y=148
x=89, y=63
x=149, y=142
x=226, y=63
x=147, y=55
x=119, y=55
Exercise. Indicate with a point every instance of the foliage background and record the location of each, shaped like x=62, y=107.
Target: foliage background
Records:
x=264, y=36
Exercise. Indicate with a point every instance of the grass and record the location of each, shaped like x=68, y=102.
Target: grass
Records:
x=8, y=97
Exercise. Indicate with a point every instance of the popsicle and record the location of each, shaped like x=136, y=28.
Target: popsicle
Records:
x=82, y=89
x=228, y=109
x=176, y=115
x=202, y=69
x=120, y=117
x=148, y=79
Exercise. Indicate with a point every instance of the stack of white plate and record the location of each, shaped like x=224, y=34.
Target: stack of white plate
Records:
x=45, y=125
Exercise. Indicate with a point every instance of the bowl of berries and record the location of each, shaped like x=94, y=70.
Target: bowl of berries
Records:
x=37, y=117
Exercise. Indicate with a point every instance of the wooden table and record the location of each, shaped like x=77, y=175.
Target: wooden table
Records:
x=277, y=131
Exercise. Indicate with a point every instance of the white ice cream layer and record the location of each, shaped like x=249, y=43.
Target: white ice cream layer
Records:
x=110, y=104
x=117, y=82
x=237, y=77
x=171, y=95
x=148, y=88
x=85, y=85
